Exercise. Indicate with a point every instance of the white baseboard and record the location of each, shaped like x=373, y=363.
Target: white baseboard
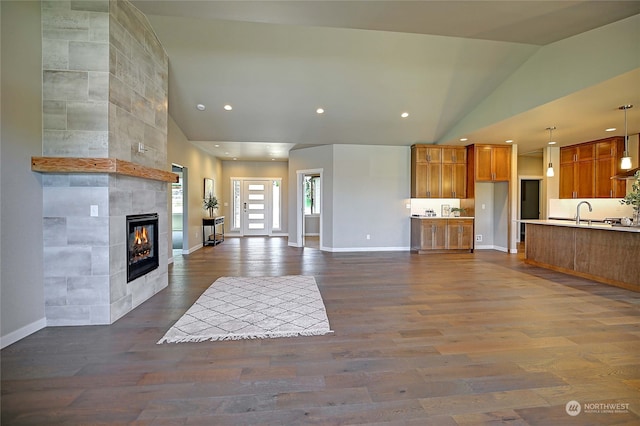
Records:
x=492, y=247
x=192, y=249
x=361, y=249
x=22, y=332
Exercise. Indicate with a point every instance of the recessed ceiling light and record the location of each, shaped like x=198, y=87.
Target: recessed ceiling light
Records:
x=404, y=115
x=320, y=111
x=228, y=107
x=509, y=141
x=552, y=142
x=610, y=129
x=201, y=107
x=463, y=139
x=217, y=146
x=234, y=158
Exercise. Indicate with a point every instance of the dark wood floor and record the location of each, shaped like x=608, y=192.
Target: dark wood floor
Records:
x=444, y=339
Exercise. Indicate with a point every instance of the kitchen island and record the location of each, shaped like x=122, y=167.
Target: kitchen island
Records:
x=597, y=251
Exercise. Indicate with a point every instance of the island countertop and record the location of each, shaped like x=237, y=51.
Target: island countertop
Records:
x=583, y=224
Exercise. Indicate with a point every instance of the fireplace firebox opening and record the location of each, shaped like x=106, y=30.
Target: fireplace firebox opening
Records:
x=142, y=245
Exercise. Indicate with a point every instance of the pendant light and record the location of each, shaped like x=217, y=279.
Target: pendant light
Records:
x=625, y=164
x=550, y=172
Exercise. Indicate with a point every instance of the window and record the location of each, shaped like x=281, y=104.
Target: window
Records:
x=312, y=194
x=275, y=204
x=236, y=222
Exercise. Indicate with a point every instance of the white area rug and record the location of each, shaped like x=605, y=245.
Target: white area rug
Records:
x=234, y=308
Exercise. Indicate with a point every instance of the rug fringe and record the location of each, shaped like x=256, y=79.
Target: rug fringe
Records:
x=198, y=339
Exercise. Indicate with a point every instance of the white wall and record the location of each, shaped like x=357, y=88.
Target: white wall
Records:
x=199, y=165
x=371, y=186
x=21, y=262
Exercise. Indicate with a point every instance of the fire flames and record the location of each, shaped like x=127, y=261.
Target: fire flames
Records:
x=141, y=236
x=141, y=247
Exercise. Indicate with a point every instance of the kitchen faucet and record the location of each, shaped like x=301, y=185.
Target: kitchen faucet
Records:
x=578, y=210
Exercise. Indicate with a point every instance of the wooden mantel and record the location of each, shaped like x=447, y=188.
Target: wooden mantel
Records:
x=99, y=165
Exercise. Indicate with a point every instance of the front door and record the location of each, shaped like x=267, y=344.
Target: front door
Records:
x=255, y=207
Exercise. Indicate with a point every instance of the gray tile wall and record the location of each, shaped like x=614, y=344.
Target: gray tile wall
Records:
x=105, y=86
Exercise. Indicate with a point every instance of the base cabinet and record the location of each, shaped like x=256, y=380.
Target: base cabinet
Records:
x=460, y=234
x=441, y=235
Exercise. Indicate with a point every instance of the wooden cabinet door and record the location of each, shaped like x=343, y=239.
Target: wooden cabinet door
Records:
x=586, y=152
x=567, y=181
x=585, y=178
x=607, y=164
x=460, y=234
x=419, y=180
x=577, y=171
x=434, y=234
x=454, y=180
x=418, y=154
x=501, y=163
x=568, y=154
x=434, y=182
x=427, y=154
x=484, y=171
x=604, y=169
x=454, y=155
x=493, y=163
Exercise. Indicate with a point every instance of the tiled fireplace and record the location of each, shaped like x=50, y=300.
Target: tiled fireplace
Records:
x=142, y=244
x=104, y=97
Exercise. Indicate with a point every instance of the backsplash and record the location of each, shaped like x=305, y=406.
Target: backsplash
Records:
x=419, y=205
x=602, y=208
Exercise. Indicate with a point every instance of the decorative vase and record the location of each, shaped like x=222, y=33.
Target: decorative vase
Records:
x=211, y=212
x=636, y=217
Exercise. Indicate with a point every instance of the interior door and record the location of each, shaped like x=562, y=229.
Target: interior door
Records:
x=529, y=202
x=255, y=207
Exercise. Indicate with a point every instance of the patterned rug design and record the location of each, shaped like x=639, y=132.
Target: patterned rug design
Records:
x=234, y=308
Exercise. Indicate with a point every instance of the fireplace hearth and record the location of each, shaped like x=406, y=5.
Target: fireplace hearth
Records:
x=142, y=245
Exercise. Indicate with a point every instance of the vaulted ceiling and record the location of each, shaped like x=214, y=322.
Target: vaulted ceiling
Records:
x=367, y=62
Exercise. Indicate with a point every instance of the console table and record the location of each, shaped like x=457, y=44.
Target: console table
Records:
x=217, y=236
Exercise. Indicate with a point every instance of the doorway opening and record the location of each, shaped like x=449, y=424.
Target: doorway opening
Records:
x=256, y=206
x=310, y=205
x=179, y=212
x=529, y=202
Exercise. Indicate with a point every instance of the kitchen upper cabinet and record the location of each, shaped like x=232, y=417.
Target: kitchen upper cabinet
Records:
x=426, y=180
x=576, y=177
x=586, y=169
x=454, y=155
x=609, y=154
x=427, y=153
x=454, y=180
x=438, y=171
x=492, y=163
